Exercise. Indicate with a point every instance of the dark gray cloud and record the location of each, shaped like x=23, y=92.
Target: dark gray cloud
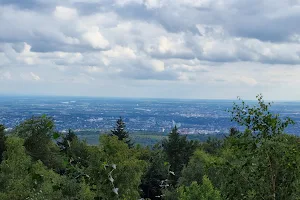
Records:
x=240, y=18
x=27, y=4
x=262, y=28
x=136, y=11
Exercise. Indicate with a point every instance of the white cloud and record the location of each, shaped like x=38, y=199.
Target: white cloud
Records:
x=153, y=3
x=27, y=56
x=65, y=13
x=105, y=61
x=158, y=65
x=217, y=44
x=23, y=55
x=94, y=38
x=203, y=3
x=125, y=2
x=30, y=76
x=120, y=52
x=165, y=45
x=93, y=69
x=169, y=47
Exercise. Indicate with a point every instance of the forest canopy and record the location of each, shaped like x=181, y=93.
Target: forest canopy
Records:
x=259, y=162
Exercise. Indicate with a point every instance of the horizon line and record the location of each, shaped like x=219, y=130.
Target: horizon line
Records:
x=154, y=98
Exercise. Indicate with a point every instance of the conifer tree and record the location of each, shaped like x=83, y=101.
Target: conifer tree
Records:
x=64, y=144
x=2, y=141
x=120, y=131
x=178, y=150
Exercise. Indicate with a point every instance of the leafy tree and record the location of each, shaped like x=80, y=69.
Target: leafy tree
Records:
x=156, y=175
x=38, y=134
x=200, y=164
x=268, y=170
x=20, y=178
x=115, y=170
x=212, y=145
x=75, y=189
x=178, y=150
x=46, y=183
x=261, y=162
x=259, y=119
x=77, y=155
x=171, y=193
x=205, y=191
x=15, y=178
x=120, y=131
x=2, y=141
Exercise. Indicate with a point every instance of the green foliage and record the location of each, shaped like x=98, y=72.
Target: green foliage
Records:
x=64, y=144
x=46, y=182
x=115, y=170
x=37, y=133
x=77, y=155
x=2, y=141
x=170, y=194
x=178, y=151
x=205, y=191
x=259, y=119
x=42, y=127
x=261, y=162
x=201, y=164
x=20, y=178
x=156, y=174
x=15, y=179
x=269, y=170
x=212, y=145
x=121, y=133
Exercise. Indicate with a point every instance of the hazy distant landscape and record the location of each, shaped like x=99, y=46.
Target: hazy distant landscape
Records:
x=146, y=119
x=137, y=100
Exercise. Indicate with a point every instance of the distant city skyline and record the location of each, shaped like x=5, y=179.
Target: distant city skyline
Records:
x=152, y=115
x=189, y=49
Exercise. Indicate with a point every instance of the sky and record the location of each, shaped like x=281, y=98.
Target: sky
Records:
x=203, y=49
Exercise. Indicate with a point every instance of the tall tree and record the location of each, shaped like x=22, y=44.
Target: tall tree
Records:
x=259, y=119
x=178, y=150
x=37, y=133
x=156, y=174
x=120, y=131
x=76, y=152
x=261, y=162
x=20, y=178
x=2, y=141
x=115, y=170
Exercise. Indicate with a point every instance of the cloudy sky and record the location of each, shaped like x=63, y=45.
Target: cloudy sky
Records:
x=203, y=49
